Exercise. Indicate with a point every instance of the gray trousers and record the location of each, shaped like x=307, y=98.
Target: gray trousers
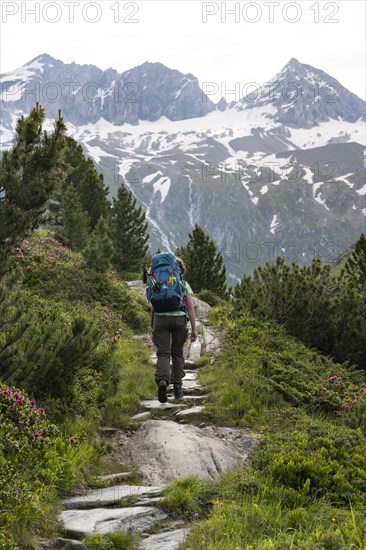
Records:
x=169, y=335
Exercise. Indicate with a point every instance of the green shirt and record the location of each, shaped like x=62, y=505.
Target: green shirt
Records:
x=179, y=313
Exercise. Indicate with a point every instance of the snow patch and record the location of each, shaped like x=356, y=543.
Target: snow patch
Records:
x=264, y=190
x=274, y=224
x=361, y=191
x=162, y=185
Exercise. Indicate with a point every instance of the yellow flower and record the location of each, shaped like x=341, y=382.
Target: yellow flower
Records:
x=171, y=280
x=255, y=505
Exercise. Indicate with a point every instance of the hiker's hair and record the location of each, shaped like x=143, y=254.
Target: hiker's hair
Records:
x=181, y=265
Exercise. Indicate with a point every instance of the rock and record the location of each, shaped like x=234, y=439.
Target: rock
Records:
x=80, y=523
x=141, y=337
x=108, y=431
x=194, y=397
x=192, y=410
x=189, y=364
x=212, y=339
x=70, y=544
x=155, y=404
x=164, y=541
x=142, y=416
x=148, y=501
x=200, y=308
x=194, y=351
x=118, y=475
x=191, y=387
x=108, y=496
x=163, y=450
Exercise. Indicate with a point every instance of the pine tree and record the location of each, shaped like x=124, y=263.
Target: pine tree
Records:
x=29, y=173
x=128, y=230
x=99, y=250
x=204, y=263
x=354, y=271
x=75, y=229
x=81, y=174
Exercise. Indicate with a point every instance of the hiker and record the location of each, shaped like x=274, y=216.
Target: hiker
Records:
x=171, y=299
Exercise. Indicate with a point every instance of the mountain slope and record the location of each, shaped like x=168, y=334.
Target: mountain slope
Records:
x=278, y=173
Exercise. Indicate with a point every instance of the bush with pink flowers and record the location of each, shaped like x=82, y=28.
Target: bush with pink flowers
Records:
x=36, y=463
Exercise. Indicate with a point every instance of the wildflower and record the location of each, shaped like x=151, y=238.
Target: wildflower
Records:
x=332, y=378
x=347, y=393
x=25, y=241
x=36, y=434
x=33, y=402
x=72, y=439
x=40, y=410
x=356, y=400
x=363, y=390
x=255, y=505
x=346, y=406
x=17, y=395
x=19, y=401
x=7, y=392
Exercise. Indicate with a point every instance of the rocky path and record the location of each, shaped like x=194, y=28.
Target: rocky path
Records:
x=167, y=446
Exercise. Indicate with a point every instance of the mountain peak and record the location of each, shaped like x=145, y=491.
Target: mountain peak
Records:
x=42, y=58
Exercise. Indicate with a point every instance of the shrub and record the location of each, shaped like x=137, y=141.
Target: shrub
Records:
x=36, y=462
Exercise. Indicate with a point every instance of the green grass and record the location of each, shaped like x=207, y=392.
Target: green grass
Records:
x=305, y=484
x=122, y=540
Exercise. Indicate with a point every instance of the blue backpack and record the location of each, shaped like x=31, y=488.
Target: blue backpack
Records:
x=166, y=289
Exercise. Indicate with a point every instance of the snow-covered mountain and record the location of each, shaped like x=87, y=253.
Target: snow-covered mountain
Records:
x=279, y=172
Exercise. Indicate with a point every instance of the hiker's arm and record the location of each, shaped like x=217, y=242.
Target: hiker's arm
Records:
x=192, y=317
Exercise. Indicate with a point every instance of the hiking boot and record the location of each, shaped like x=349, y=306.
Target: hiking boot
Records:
x=178, y=392
x=162, y=387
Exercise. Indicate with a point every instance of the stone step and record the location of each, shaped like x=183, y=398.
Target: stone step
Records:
x=80, y=523
x=142, y=416
x=192, y=410
x=70, y=544
x=169, y=540
x=155, y=404
x=109, y=496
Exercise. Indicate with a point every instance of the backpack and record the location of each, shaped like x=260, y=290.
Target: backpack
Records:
x=166, y=289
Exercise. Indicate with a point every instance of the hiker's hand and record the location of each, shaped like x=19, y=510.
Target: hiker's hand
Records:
x=193, y=336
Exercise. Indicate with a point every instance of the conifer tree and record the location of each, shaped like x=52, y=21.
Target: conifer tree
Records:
x=204, y=263
x=75, y=228
x=81, y=173
x=128, y=230
x=354, y=271
x=99, y=250
x=29, y=172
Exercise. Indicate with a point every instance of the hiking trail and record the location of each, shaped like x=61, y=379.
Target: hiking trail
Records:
x=165, y=447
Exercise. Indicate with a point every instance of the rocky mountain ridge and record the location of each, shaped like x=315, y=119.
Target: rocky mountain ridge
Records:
x=281, y=171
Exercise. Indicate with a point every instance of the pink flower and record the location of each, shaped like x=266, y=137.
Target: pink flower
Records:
x=17, y=395
x=332, y=378
x=363, y=390
x=355, y=401
x=36, y=434
x=25, y=241
x=346, y=406
x=347, y=392
x=19, y=401
x=33, y=402
x=72, y=439
x=7, y=392
x=40, y=410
